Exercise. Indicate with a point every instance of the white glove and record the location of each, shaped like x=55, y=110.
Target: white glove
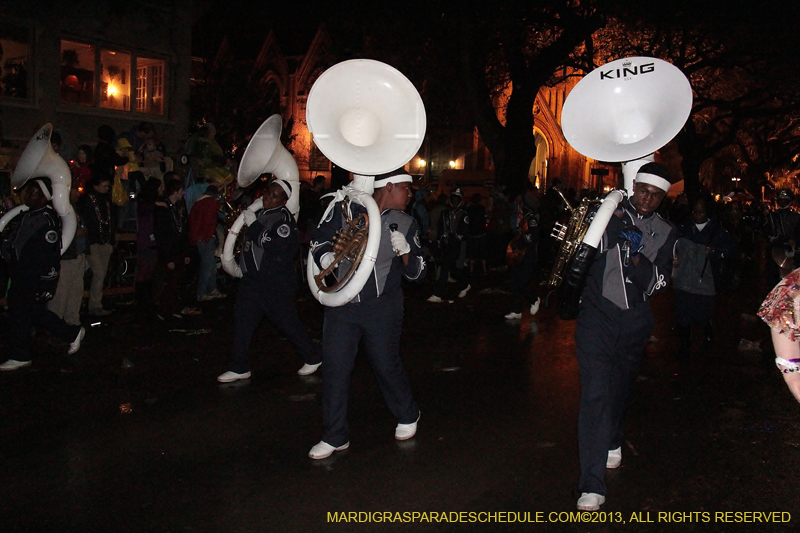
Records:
x=326, y=259
x=399, y=243
x=249, y=217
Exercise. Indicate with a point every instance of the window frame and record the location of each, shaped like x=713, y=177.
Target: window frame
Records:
x=30, y=88
x=135, y=54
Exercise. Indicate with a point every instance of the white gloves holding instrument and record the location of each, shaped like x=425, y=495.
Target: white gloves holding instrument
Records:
x=399, y=243
x=326, y=259
x=249, y=217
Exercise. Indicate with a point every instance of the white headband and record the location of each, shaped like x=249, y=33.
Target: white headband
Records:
x=399, y=178
x=652, y=179
x=44, y=190
x=285, y=186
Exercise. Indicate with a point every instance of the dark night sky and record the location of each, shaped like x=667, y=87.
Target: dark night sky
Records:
x=247, y=25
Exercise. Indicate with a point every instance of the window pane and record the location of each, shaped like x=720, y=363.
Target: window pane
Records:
x=115, y=79
x=150, y=85
x=14, y=59
x=77, y=73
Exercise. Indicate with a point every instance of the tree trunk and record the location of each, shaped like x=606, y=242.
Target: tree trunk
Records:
x=519, y=142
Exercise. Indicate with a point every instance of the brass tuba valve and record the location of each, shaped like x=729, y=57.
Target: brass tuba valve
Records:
x=349, y=244
x=559, y=231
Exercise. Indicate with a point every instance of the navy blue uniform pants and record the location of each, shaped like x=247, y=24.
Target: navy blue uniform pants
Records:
x=610, y=344
x=276, y=302
x=25, y=312
x=379, y=322
x=521, y=279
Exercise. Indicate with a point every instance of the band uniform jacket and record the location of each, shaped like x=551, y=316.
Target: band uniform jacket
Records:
x=33, y=252
x=389, y=269
x=613, y=280
x=270, y=246
x=453, y=225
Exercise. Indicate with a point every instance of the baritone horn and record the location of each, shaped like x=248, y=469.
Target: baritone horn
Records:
x=264, y=154
x=367, y=118
x=623, y=112
x=39, y=160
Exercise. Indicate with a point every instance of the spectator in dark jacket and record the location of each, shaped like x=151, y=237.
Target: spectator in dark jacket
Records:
x=105, y=155
x=97, y=214
x=170, y=227
x=146, y=251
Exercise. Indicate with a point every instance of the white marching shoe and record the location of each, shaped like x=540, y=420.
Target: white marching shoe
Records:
x=75, y=345
x=307, y=370
x=614, y=458
x=406, y=431
x=322, y=450
x=535, y=306
x=513, y=316
x=589, y=501
x=13, y=364
x=230, y=377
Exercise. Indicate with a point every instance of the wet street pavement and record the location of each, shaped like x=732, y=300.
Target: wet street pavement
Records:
x=135, y=434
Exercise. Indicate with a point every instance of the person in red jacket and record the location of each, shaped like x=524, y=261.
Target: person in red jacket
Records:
x=202, y=234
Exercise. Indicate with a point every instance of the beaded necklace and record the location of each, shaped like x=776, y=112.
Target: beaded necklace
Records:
x=178, y=216
x=104, y=223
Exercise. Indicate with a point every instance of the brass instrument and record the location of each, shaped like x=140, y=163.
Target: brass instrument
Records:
x=264, y=155
x=349, y=244
x=570, y=235
x=39, y=160
x=369, y=119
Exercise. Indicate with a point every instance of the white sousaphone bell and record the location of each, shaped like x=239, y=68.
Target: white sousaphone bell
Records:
x=264, y=154
x=369, y=119
x=623, y=112
x=39, y=160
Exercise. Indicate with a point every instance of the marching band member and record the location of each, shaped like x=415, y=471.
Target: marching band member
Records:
x=376, y=315
x=633, y=263
x=522, y=265
x=33, y=253
x=452, y=232
x=269, y=284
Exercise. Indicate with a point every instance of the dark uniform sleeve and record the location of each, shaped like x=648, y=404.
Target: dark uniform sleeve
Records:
x=322, y=238
x=531, y=235
x=416, y=267
x=462, y=225
x=652, y=277
x=40, y=262
x=440, y=225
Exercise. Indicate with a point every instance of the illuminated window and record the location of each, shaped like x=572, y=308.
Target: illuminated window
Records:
x=95, y=76
x=150, y=86
x=115, y=80
x=77, y=73
x=14, y=60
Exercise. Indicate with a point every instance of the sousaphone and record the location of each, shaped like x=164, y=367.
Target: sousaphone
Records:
x=622, y=112
x=369, y=119
x=264, y=154
x=39, y=160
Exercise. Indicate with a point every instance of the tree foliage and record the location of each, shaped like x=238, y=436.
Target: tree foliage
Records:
x=735, y=56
